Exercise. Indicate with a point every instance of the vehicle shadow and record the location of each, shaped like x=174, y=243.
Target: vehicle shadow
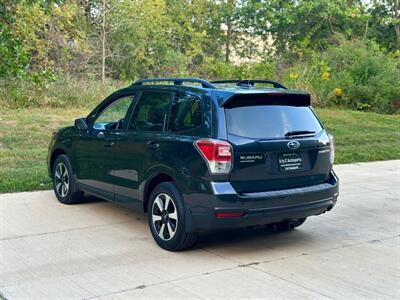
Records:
x=254, y=237
x=91, y=199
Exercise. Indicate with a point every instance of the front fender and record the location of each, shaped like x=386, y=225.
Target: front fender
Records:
x=60, y=143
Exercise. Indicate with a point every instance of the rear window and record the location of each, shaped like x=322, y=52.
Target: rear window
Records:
x=270, y=121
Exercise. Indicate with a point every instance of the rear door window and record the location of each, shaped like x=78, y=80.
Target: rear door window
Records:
x=151, y=111
x=270, y=121
x=185, y=113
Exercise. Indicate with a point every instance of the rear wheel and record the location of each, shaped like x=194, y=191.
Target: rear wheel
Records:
x=64, y=184
x=167, y=218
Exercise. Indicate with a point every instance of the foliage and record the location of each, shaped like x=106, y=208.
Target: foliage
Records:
x=345, y=52
x=51, y=36
x=353, y=74
x=297, y=25
x=368, y=77
x=229, y=71
x=64, y=92
x=13, y=58
x=131, y=51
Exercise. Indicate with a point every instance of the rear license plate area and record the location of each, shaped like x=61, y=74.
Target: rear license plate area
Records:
x=290, y=162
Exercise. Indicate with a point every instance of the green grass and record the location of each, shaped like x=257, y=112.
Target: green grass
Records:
x=362, y=136
x=24, y=139
x=25, y=135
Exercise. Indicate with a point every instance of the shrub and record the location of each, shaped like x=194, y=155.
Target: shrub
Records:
x=222, y=70
x=354, y=74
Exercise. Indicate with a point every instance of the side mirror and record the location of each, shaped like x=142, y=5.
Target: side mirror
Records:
x=81, y=124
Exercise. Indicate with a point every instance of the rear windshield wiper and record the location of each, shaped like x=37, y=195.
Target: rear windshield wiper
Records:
x=298, y=133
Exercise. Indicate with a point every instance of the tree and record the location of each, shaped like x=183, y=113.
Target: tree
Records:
x=126, y=39
x=13, y=58
x=196, y=31
x=50, y=36
x=305, y=24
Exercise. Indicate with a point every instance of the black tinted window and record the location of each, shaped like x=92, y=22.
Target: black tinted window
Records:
x=151, y=111
x=185, y=113
x=270, y=121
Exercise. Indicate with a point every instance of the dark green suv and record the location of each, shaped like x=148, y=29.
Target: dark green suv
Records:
x=198, y=155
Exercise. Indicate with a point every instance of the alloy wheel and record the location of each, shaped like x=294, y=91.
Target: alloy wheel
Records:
x=164, y=216
x=61, y=180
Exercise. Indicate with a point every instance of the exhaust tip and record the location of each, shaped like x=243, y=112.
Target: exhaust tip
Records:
x=329, y=208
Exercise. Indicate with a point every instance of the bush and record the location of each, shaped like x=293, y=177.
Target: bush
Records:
x=354, y=74
x=222, y=70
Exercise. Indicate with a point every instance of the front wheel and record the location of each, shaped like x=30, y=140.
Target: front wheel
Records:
x=167, y=218
x=64, y=184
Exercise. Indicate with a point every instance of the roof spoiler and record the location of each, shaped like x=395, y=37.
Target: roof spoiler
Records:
x=286, y=98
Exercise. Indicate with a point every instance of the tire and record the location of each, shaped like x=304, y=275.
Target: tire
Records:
x=64, y=184
x=167, y=224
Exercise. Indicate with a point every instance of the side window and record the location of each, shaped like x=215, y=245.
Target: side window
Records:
x=113, y=115
x=185, y=113
x=151, y=111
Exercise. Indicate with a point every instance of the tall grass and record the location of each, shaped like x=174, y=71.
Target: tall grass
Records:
x=65, y=92
x=352, y=74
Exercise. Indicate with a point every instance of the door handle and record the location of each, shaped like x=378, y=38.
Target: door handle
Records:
x=101, y=135
x=109, y=143
x=152, y=145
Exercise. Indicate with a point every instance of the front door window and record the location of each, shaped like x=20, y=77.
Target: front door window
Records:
x=113, y=116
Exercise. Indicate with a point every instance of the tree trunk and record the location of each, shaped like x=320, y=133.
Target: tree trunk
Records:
x=103, y=43
x=330, y=25
x=228, y=40
x=395, y=10
x=229, y=11
x=366, y=30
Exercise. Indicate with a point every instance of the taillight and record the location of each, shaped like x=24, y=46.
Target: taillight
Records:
x=331, y=149
x=217, y=154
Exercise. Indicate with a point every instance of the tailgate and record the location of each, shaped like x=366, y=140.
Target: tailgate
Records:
x=276, y=145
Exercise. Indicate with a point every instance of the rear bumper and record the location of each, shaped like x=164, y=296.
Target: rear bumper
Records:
x=261, y=208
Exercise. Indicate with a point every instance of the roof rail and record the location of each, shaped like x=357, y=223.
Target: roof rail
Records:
x=251, y=82
x=176, y=81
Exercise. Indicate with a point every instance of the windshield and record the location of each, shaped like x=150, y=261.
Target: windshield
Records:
x=270, y=121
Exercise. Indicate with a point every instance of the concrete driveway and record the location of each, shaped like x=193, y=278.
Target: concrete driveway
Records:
x=100, y=250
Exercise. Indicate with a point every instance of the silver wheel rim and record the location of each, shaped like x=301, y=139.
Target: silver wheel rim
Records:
x=61, y=180
x=164, y=217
